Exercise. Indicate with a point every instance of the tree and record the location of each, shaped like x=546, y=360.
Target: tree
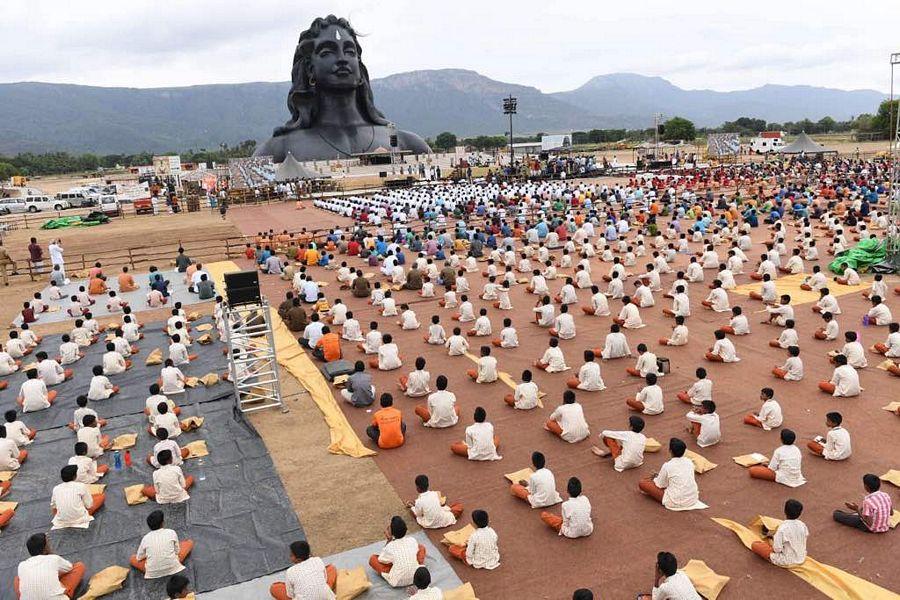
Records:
x=825, y=125
x=445, y=140
x=882, y=122
x=7, y=170
x=679, y=128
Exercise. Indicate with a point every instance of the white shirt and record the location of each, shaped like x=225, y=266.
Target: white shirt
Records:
x=794, y=367
x=615, y=346
x=509, y=338
x=18, y=433
x=725, y=349
x=676, y=477
x=68, y=352
x=389, y=357
x=589, y=378
x=87, y=469
x=679, y=336
x=160, y=548
x=442, y=406
x=91, y=436
x=401, y=554
x=456, y=345
x=652, y=398
x=487, y=370
x=554, y=359
x=482, y=550
x=646, y=363
x=526, y=395
x=542, y=489
x=846, y=381
x=430, y=513
x=599, y=304
x=576, y=515
x=710, y=429
x=565, y=326
x=632, y=316
x=632, y=448
x=34, y=391
x=39, y=577
x=307, y=580
x=100, y=388
x=71, y=501
x=770, y=415
x=893, y=344
x=480, y=442
x=837, y=444
x=169, y=483
x=786, y=461
x=9, y=455
x=113, y=363
x=417, y=384
x=789, y=543
x=570, y=418
x=676, y=587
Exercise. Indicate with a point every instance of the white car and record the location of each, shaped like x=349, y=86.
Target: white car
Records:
x=110, y=206
x=34, y=204
x=12, y=205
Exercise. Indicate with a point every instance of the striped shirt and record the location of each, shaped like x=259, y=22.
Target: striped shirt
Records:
x=307, y=580
x=877, y=506
x=39, y=577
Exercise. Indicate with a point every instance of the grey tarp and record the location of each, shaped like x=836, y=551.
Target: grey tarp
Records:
x=238, y=516
x=805, y=145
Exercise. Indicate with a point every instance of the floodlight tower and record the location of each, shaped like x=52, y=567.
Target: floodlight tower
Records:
x=893, y=234
x=509, y=108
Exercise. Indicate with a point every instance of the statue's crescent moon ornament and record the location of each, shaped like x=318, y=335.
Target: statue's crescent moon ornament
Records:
x=337, y=35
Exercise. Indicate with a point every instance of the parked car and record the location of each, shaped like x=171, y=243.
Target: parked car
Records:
x=36, y=203
x=13, y=205
x=78, y=199
x=110, y=206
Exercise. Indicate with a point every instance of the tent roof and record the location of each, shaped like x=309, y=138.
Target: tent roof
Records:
x=290, y=169
x=804, y=144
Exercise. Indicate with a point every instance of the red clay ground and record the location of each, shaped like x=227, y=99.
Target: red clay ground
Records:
x=617, y=560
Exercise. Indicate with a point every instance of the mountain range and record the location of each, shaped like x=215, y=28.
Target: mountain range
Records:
x=44, y=117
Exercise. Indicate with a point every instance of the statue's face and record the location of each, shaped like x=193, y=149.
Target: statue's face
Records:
x=335, y=61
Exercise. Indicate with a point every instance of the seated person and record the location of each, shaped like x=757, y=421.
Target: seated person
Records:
x=432, y=511
x=874, y=515
x=480, y=442
x=309, y=577
x=46, y=575
x=398, y=560
x=788, y=547
x=625, y=447
x=160, y=553
x=387, y=428
x=71, y=501
x=482, y=551
x=169, y=486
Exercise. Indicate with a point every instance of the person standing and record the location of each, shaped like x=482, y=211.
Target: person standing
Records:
x=56, y=255
x=36, y=255
x=6, y=260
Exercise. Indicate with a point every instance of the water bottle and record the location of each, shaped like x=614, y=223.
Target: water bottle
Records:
x=201, y=473
x=117, y=460
x=128, y=458
x=865, y=320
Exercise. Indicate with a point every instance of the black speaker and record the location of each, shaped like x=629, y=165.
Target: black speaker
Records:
x=393, y=139
x=382, y=174
x=242, y=288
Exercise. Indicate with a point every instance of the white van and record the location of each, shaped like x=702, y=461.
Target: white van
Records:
x=36, y=203
x=78, y=198
x=12, y=205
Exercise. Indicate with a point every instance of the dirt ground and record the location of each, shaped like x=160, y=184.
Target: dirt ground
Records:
x=617, y=560
x=344, y=502
x=318, y=483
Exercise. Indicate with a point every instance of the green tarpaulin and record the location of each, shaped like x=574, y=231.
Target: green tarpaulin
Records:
x=89, y=220
x=861, y=257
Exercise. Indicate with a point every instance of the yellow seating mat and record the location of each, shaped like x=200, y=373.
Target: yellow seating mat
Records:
x=292, y=357
x=790, y=284
x=829, y=580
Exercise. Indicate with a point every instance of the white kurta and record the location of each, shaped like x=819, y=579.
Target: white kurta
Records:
x=676, y=477
x=570, y=418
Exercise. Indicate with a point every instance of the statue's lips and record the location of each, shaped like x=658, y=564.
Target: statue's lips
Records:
x=343, y=72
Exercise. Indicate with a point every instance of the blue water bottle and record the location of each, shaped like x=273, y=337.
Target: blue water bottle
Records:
x=117, y=460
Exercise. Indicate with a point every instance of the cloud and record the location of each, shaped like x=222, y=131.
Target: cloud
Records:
x=552, y=46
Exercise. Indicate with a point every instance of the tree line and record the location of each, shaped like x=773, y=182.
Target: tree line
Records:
x=676, y=128
x=57, y=163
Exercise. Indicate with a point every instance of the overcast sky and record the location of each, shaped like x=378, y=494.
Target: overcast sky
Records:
x=548, y=44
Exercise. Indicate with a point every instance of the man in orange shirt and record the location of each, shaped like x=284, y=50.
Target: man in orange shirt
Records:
x=126, y=281
x=328, y=348
x=387, y=427
x=312, y=256
x=97, y=286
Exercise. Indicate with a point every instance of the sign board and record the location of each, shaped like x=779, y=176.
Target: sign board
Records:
x=167, y=165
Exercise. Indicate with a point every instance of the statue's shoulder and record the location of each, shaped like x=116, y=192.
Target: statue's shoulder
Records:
x=273, y=147
x=407, y=140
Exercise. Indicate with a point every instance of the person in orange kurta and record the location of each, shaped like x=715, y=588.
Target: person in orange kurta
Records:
x=97, y=286
x=312, y=256
x=126, y=281
x=387, y=427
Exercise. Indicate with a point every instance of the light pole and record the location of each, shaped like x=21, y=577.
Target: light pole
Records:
x=509, y=108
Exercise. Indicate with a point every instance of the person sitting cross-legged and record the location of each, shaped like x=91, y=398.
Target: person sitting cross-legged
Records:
x=160, y=553
x=309, y=577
